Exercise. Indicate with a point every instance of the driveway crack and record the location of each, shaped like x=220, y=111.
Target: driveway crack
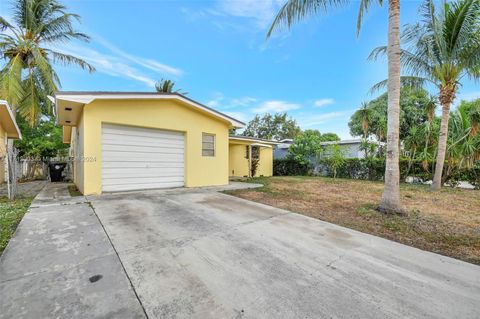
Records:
x=120, y=260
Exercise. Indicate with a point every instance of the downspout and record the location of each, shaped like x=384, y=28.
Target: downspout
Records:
x=250, y=160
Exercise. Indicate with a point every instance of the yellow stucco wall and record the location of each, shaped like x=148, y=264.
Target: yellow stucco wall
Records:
x=3, y=154
x=238, y=164
x=162, y=114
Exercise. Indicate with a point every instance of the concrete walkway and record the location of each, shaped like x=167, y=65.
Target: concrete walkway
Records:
x=60, y=264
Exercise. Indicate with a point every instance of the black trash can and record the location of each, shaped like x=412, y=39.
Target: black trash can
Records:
x=56, y=170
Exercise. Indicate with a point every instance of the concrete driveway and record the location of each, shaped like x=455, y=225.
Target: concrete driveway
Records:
x=203, y=254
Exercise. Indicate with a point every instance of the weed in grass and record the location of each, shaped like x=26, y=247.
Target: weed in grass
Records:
x=11, y=213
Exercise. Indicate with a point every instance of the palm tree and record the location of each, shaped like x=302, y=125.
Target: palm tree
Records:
x=443, y=49
x=166, y=86
x=295, y=10
x=365, y=114
x=27, y=46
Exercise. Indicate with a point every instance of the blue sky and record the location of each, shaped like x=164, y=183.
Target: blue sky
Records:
x=216, y=51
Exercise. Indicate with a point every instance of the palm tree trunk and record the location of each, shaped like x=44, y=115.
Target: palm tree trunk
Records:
x=391, y=193
x=442, y=147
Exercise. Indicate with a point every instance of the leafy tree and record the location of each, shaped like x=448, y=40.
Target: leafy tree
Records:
x=442, y=49
x=277, y=127
x=305, y=146
x=40, y=142
x=412, y=113
x=334, y=156
x=296, y=10
x=166, y=86
x=329, y=137
x=28, y=76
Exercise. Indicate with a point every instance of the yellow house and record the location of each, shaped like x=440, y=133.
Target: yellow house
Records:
x=240, y=162
x=8, y=130
x=140, y=140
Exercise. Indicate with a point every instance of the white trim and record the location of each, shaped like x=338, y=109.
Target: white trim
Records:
x=10, y=113
x=89, y=98
x=261, y=145
x=247, y=139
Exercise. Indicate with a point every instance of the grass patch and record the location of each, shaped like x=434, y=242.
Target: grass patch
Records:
x=11, y=213
x=445, y=222
x=73, y=190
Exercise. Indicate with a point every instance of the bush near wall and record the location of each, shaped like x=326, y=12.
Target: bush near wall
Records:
x=290, y=167
x=374, y=169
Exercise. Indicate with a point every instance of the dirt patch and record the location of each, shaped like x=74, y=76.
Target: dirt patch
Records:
x=445, y=222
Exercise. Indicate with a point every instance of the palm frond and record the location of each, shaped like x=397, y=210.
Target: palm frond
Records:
x=405, y=81
x=66, y=59
x=363, y=8
x=295, y=10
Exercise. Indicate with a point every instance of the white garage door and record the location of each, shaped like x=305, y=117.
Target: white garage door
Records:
x=141, y=158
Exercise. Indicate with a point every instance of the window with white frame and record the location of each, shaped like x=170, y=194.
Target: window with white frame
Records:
x=208, y=144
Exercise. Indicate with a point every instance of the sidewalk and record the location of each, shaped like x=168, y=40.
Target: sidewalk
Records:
x=60, y=264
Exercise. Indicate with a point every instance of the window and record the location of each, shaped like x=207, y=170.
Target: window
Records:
x=208, y=144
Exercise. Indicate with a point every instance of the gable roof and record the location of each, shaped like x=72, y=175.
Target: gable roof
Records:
x=7, y=120
x=80, y=98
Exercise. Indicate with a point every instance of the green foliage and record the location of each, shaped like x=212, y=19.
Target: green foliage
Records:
x=305, y=146
x=11, y=213
x=277, y=127
x=166, y=86
x=27, y=46
x=329, y=137
x=43, y=141
x=372, y=117
x=334, y=157
x=290, y=167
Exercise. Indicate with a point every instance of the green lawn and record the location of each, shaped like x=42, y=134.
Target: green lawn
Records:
x=11, y=213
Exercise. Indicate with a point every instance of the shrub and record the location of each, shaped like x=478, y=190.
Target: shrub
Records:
x=290, y=167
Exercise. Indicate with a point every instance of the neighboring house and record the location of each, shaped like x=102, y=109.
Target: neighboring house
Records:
x=130, y=141
x=8, y=130
x=351, y=148
x=281, y=149
x=240, y=161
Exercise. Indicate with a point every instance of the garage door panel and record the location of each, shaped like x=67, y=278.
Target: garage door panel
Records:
x=141, y=172
x=143, y=180
x=133, y=131
x=143, y=149
x=141, y=164
x=140, y=142
x=141, y=158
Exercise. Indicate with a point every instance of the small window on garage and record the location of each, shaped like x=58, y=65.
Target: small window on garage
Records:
x=208, y=144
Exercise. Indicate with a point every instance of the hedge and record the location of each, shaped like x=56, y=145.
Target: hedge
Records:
x=373, y=169
x=290, y=167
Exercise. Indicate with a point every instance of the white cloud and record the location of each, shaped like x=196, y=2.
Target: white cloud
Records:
x=108, y=64
x=261, y=12
x=147, y=63
x=238, y=115
x=323, y=102
x=276, y=106
x=317, y=119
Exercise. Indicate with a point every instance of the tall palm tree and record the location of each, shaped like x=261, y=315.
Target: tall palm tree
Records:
x=295, y=10
x=443, y=49
x=27, y=44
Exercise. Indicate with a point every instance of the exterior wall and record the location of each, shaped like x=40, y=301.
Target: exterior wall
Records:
x=162, y=114
x=77, y=145
x=238, y=164
x=3, y=154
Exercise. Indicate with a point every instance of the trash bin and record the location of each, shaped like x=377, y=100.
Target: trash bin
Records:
x=56, y=170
